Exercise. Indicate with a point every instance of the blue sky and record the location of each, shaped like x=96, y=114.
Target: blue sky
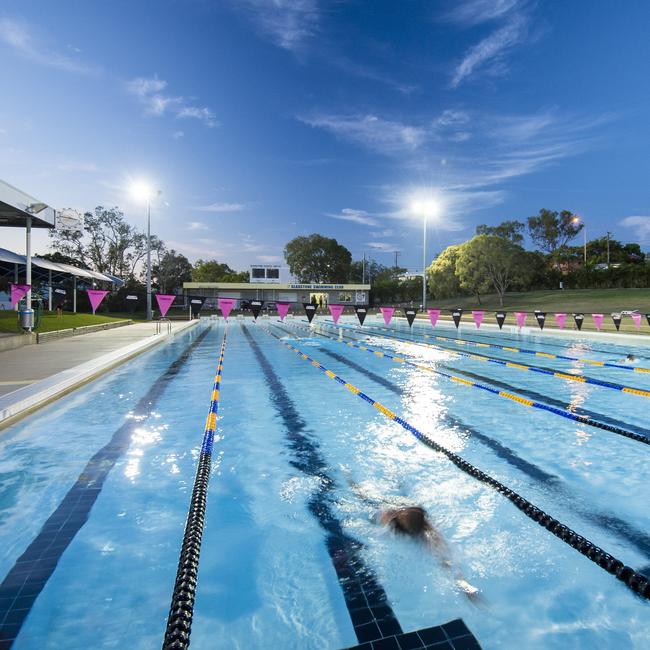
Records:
x=263, y=119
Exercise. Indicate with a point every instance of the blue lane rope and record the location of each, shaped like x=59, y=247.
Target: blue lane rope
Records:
x=508, y=364
x=583, y=419
x=637, y=582
x=181, y=612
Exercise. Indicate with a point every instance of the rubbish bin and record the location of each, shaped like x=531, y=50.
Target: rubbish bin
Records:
x=26, y=318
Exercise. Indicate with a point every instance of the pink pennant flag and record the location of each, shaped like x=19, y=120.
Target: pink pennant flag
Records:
x=559, y=319
x=96, y=296
x=336, y=311
x=164, y=301
x=226, y=305
x=478, y=318
x=433, y=316
x=283, y=309
x=520, y=317
x=387, y=313
x=18, y=291
x=598, y=320
x=637, y=320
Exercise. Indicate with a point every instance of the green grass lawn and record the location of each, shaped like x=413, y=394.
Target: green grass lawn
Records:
x=50, y=322
x=587, y=301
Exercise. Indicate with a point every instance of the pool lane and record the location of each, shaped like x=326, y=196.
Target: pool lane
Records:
x=635, y=581
x=508, y=364
x=31, y=571
x=606, y=521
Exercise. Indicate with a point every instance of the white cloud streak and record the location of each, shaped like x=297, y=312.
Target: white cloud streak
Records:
x=356, y=216
x=149, y=92
x=475, y=12
x=18, y=37
x=221, y=207
x=289, y=24
x=640, y=225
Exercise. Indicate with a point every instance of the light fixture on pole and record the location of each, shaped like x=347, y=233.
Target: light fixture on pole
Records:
x=427, y=207
x=142, y=191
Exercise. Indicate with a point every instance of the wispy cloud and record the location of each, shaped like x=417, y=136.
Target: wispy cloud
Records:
x=640, y=225
x=18, y=36
x=356, y=216
x=249, y=245
x=197, y=225
x=177, y=135
x=77, y=166
x=270, y=259
x=475, y=12
x=388, y=232
x=222, y=207
x=287, y=23
x=488, y=54
x=371, y=131
x=150, y=93
x=383, y=246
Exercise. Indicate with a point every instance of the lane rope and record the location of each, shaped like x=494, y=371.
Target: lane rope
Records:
x=507, y=348
x=501, y=362
x=637, y=582
x=181, y=611
x=584, y=419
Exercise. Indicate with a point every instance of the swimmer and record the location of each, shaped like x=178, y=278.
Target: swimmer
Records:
x=412, y=521
x=630, y=358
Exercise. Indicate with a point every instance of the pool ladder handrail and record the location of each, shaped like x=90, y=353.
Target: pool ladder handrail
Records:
x=160, y=326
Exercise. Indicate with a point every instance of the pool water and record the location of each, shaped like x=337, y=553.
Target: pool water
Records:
x=297, y=455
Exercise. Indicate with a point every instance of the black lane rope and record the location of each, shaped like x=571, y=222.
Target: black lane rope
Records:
x=181, y=611
x=29, y=575
x=513, y=397
x=637, y=582
x=502, y=362
x=608, y=522
x=362, y=591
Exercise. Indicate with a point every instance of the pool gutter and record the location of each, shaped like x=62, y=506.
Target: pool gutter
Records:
x=26, y=400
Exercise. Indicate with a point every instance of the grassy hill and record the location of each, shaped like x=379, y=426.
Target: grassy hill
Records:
x=588, y=301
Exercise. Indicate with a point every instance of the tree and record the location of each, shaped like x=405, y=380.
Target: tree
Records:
x=441, y=274
x=171, y=270
x=511, y=230
x=318, y=259
x=106, y=243
x=551, y=230
x=213, y=271
x=488, y=261
x=372, y=270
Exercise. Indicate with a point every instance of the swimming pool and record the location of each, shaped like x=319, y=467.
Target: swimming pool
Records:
x=300, y=465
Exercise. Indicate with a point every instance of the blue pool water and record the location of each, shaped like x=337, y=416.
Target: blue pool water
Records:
x=266, y=579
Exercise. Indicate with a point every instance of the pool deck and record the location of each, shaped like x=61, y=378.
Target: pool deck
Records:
x=33, y=375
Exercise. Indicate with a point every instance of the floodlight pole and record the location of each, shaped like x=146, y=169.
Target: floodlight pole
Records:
x=28, y=270
x=424, y=262
x=148, y=258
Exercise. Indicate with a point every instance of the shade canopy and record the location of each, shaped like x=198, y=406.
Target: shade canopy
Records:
x=16, y=207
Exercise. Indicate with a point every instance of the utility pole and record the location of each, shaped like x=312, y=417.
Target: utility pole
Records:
x=396, y=256
x=608, y=234
x=363, y=269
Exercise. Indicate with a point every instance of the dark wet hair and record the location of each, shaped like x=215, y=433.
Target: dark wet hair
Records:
x=410, y=521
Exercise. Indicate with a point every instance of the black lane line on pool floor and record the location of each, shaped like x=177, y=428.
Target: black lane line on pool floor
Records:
x=608, y=522
x=27, y=578
x=595, y=420
x=372, y=617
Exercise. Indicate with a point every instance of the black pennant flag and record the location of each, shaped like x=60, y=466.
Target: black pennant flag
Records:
x=647, y=317
x=579, y=319
x=457, y=314
x=362, y=312
x=616, y=317
x=541, y=318
x=256, y=307
x=501, y=317
x=196, y=304
x=310, y=310
x=410, y=316
x=131, y=302
x=58, y=297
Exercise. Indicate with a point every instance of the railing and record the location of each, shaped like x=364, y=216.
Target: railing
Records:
x=163, y=326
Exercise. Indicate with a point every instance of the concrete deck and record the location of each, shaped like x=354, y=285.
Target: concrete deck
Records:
x=35, y=374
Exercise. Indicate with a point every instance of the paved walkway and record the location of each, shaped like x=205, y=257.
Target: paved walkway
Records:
x=28, y=371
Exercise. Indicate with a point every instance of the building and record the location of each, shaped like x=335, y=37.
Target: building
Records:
x=273, y=283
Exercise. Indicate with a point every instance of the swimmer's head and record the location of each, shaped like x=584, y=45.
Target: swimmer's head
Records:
x=630, y=357
x=409, y=521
